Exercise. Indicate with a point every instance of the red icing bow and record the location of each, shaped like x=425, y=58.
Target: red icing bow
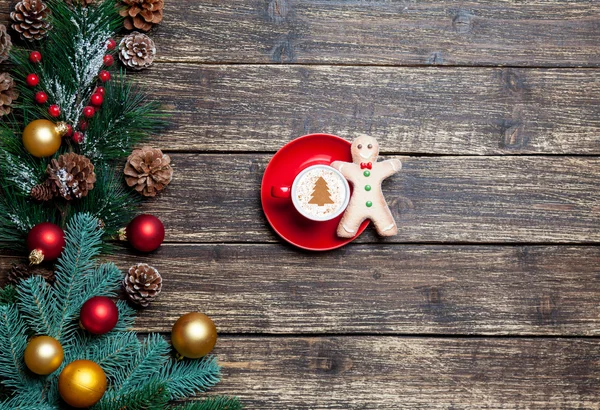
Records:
x=367, y=165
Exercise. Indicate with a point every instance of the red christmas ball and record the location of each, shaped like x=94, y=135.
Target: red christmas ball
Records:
x=100, y=90
x=32, y=80
x=41, y=97
x=78, y=137
x=99, y=315
x=111, y=44
x=35, y=57
x=97, y=99
x=69, y=132
x=54, y=110
x=104, y=76
x=108, y=60
x=145, y=232
x=88, y=111
x=45, y=241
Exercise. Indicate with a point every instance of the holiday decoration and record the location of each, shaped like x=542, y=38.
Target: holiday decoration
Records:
x=104, y=76
x=137, y=51
x=18, y=273
x=69, y=132
x=100, y=90
x=71, y=176
x=30, y=19
x=99, y=315
x=32, y=80
x=42, y=138
x=45, y=241
x=367, y=202
x=111, y=44
x=88, y=111
x=97, y=99
x=320, y=194
x=43, y=355
x=82, y=383
x=108, y=60
x=5, y=43
x=142, y=284
x=54, y=111
x=148, y=171
x=78, y=137
x=8, y=93
x=42, y=192
x=41, y=97
x=35, y=57
x=194, y=335
x=142, y=14
x=145, y=233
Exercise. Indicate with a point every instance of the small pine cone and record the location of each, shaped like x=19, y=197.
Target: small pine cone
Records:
x=142, y=14
x=42, y=192
x=30, y=19
x=142, y=284
x=148, y=170
x=71, y=176
x=21, y=272
x=8, y=93
x=5, y=43
x=137, y=51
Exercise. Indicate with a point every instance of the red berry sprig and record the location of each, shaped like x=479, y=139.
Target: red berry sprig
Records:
x=83, y=125
x=35, y=57
x=88, y=111
x=97, y=99
x=78, y=137
x=54, y=110
x=104, y=76
x=69, y=132
x=108, y=60
x=32, y=80
x=111, y=44
x=41, y=97
x=100, y=90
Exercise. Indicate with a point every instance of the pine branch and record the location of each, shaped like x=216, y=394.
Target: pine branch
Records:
x=186, y=377
x=39, y=306
x=212, y=403
x=152, y=396
x=8, y=295
x=13, y=341
x=112, y=351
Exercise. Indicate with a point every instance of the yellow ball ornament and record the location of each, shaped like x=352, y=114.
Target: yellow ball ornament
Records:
x=43, y=355
x=42, y=138
x=194, y=335
x=82, y=383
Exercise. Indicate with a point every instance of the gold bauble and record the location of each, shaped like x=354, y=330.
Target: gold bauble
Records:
x=82, y=383
x=43, y=355
x=42, y=138
x=194, y=335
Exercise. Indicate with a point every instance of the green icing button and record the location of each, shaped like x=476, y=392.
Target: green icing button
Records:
x=369, y=204
x=367, y=187
x=367, y=173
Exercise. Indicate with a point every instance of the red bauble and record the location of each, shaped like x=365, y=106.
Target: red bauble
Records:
x=97, y=99
x=99, y=315
x=145, y=232
x=69, y=132
x=100, y=90
x=78, y=137
x=111, y=44
x=32, y=80
x=35, y=57
x=41, y=97
x=108, y=60
x=54, y=110
x=104, y=76
x=45, y=241
x=88, y=111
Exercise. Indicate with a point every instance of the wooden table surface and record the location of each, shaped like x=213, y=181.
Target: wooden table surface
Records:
x=488, y=298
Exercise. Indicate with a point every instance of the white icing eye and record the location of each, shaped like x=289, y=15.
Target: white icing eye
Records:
x=370, y=146
x=359, y=146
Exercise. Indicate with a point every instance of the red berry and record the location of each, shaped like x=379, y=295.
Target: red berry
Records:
x=54, y=110
x=100, y=90
x=35, y=57
x=41, y=97
x=32, y=80
x=108, y=60
x=111, y=44
x=104, y=76
x=83, y=125
x=69, y=131
x=88, y=111
x=97, y=99
x=78, y=137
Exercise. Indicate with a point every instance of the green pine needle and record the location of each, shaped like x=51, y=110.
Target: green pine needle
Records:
x=212, y=403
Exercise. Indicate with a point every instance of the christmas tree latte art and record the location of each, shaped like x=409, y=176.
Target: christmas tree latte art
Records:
x=320, y=192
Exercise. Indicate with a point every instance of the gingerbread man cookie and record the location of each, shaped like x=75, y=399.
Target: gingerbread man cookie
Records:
x=367, y=202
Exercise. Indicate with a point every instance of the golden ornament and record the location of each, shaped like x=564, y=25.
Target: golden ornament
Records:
x=43, y=355
x=194, y=335
x=82, y=383
x=42, y=138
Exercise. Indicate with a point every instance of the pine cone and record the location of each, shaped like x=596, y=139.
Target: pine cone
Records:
x=8, y=93
x=5, y=43
x=142, y=284
x=42, y=192
x=30, y=19
x=71, y=176
x=148, y=170
x=21, y=272
x=142, y=14
x=137, y=51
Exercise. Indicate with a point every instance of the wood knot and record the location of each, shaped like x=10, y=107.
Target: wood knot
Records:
x=283, y=51
x=433, y=295
x=513, y=81
x=277, y=10
x=548, y=310
x=436, y=58
x=513, y=136
x=463, y=22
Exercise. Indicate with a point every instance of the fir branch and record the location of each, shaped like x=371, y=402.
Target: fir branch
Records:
x=186, y=377
x=151, y=396
x=211, y=403
x=38, y=304
x=8, y=295
x=13, y=341
x=112, y=351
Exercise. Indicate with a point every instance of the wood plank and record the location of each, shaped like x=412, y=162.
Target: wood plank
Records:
x=410, y=110
x=389, y=289
x=215, y=198
x=411, y=373
x=430, y=32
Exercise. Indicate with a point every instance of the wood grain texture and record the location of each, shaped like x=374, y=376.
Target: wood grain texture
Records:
x=409, y=110
x=392, y=289
x=215, y=198
x=411, y=373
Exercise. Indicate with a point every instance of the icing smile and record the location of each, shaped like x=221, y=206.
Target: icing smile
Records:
x=365, y=156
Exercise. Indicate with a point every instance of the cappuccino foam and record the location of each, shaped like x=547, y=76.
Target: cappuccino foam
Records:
x=320, y=192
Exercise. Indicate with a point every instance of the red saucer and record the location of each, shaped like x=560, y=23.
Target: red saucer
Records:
x=296, y=155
